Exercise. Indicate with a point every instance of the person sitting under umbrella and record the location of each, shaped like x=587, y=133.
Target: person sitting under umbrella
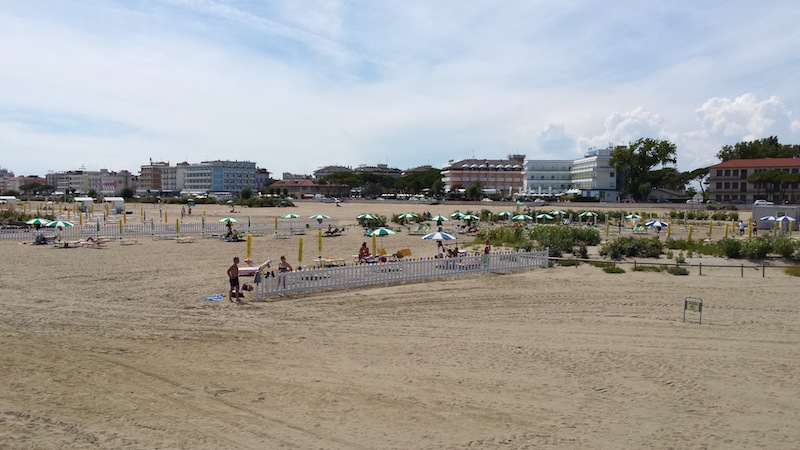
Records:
x=363, y=253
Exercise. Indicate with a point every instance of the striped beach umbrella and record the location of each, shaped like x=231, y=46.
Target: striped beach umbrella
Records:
x=470, y=217
x=407, y=216
x=38, y=222
x=229, y=220
x=522, y=217
x=365, y=216
x=457, y=215
x=290, y=216
x=319, y=216
x=438, y=236
x=438, y=218
x=60, y=224
x=544, y=216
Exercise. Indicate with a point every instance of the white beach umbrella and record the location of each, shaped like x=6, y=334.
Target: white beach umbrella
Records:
x=785, y=219
x=60, y=224
x=768, y=218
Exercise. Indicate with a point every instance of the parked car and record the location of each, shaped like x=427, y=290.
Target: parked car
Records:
x=762, y=202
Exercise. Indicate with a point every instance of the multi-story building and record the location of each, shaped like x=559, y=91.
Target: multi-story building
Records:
x=220, y=176
x=380, y=169
x=594, y=175
x=501, y=176
x=173, y=177
x=727, y=181
x=150, y=178
x=102, y=182
x=323, y=172
x=547, y=177
x=263, y=178
x=591, y=176
x=5, y=176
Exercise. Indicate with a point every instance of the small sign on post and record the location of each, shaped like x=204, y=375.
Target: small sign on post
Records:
x=693, y=304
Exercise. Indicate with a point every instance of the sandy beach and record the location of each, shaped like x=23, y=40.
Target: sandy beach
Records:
x=114, y=348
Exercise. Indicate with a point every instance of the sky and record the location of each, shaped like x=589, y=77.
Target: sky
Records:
x=296, y=85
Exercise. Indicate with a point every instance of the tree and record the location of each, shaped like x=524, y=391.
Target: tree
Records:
x=634, y=163
x=701, y=176
x=761, y=148
x=474, y=191
x=246, y=193
x=127, y=193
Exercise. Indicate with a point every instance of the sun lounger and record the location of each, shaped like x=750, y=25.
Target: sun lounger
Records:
x=420, y=230
x=252, y=270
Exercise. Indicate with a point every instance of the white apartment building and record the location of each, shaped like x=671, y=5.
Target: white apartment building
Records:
x=547, y=177
x=592, y=175
x=595, y=176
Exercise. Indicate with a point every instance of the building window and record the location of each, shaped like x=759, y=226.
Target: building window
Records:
x=736, y=172
x=727, y=185
x=719, y=185
x=719, y=172
x=727, y=172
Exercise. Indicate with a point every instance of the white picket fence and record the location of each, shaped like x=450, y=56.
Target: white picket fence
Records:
x=394, y=272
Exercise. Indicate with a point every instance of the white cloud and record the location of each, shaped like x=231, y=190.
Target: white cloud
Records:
x=297, y=85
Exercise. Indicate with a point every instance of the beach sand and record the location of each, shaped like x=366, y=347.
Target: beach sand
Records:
x=114, y=348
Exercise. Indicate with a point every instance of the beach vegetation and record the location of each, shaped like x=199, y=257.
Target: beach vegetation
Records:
x=793, y=271
x=680, y=259
x=601, y=264
x=678, y=270
x=757, y=248
x=729, y=248
x=569, y=262
x=649, y=268
x=631, y=247
x=613, y=269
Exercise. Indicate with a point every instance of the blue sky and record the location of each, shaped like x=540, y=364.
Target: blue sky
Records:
x=297, y=85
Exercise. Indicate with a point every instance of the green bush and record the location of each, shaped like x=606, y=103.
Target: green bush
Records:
x=783, y=246
x=680, y=259
x=561, y=240
x=793, y=271
x=757, y=248
x=613, y=269
x=649, y=268
x=568, y=262
x=601, y=264
x=677, y=270
x=632, y=247
x=729, y=248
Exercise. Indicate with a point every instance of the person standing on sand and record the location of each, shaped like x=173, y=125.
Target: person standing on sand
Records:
x=233, y=276
x=283, y=268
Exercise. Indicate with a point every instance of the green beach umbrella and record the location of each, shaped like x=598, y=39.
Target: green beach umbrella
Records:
x=290, y=216
x=38, y=221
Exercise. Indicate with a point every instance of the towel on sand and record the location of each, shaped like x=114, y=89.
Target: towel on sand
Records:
x=214, y=298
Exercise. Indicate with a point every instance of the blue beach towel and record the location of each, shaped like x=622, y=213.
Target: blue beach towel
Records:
x=214, y=298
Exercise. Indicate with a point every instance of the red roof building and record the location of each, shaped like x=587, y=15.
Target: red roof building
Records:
x=727, y=181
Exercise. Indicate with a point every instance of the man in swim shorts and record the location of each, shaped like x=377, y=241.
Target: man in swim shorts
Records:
x=233, y=275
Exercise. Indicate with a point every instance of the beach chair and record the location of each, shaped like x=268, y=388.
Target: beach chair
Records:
x=402, y=253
